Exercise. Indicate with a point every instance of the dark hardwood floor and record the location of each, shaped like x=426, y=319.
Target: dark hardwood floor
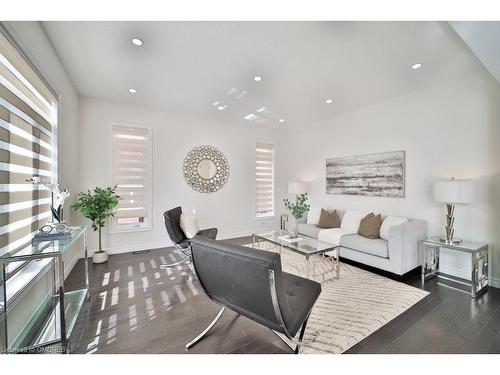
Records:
x=135, y=307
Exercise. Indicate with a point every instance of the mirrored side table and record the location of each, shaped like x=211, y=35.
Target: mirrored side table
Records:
x=479, y=263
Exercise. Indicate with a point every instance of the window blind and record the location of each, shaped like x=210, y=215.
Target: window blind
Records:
x=130, y=162
x=28, y=113
x=264, y=180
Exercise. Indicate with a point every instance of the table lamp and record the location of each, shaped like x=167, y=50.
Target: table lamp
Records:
x=453, y=192
x=298, y=187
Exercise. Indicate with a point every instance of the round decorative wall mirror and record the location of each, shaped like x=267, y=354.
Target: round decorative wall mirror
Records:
x=206, y=169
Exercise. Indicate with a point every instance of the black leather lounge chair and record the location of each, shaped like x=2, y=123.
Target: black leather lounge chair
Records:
x=181, y=242
x=250, y=282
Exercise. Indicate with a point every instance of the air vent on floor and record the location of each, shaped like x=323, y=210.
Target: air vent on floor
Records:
x=140, y=252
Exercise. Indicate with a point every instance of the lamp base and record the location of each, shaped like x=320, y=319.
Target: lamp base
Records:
x=455, y=241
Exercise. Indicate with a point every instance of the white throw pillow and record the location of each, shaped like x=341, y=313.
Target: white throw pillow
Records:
x=351, y=220
x=189, y=225
x=388, y=223
x=313, y=215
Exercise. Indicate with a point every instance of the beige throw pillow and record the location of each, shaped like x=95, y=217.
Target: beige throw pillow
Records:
x=328, y=220
x=189, y=225
x=369, y=227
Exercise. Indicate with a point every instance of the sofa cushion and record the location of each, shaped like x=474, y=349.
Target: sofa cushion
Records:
x=351, y=220
x=369, y=227
x=309, y=230
x=377, y=247
x=329, y=219
x=388, y=223
x=313, y=215
x=332, y=235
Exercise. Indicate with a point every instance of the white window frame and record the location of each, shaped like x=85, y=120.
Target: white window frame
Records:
x=114, y=228
x=254, y=205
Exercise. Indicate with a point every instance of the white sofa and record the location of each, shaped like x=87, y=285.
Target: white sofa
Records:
x=396, y=251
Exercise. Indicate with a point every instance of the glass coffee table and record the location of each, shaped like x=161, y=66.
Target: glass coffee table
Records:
x=306, y=246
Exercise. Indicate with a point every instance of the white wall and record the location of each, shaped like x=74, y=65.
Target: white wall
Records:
x=451, y=129
x=174, y=135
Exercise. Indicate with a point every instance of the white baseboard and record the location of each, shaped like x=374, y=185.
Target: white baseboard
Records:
x=160, y=245
x=495, y=283
x=139, y=247
x=455, y=271
x=70, y=266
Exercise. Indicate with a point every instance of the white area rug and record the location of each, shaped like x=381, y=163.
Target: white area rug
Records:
x=349, y=308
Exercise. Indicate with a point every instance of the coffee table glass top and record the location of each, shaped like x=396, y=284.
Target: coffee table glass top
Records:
x=306, y=246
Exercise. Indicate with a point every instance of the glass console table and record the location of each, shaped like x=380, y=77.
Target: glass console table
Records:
x=52, y=319
x=479, y=263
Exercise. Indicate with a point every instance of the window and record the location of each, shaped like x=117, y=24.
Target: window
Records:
x=264, y=180
x=28, y=147
x=131, y=148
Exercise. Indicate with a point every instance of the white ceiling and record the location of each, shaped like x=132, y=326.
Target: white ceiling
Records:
x=483, y=38
x=187, y=66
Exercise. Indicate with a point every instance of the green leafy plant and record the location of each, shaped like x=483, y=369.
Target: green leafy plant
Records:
x=300, y=207
x=97, y=205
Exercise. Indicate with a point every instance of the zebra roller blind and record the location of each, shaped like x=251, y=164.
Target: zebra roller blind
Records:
x=130, y=164
x=264, y=180
x=28, y=113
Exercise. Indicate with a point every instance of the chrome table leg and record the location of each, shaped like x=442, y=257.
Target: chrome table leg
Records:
x=4, y=340
x=473, y=290
x=85, y=249
x=62, y=310
x=337, y=264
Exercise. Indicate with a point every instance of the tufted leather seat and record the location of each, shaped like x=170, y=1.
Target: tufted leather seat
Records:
x=238, y=277
x=300, y=296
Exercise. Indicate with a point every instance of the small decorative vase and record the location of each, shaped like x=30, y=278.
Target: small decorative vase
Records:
x=293, y=227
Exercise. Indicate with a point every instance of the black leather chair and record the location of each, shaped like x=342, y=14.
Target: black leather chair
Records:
x=250, y=282
x=172, y=220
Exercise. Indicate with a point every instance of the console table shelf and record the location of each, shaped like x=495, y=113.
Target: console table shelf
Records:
x=54, y=318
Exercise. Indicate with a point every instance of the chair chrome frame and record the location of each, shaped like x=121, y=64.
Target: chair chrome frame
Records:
x=279, y=316
x=185, y=252
x=277, y=311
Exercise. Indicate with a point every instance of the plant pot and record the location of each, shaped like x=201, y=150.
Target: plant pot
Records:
x=293, y=227
x=100, y=257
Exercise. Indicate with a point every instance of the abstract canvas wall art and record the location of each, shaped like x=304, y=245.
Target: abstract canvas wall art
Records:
x=379, y=175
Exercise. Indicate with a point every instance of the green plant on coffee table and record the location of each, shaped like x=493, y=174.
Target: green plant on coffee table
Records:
x=97, y=205
x=300, y=207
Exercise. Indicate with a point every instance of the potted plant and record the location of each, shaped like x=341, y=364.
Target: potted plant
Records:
x=297, y=209
x=97, y=206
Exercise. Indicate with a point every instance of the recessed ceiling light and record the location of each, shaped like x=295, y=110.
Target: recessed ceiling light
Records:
x=416, y=66
x=220, y=108
x=282, y=120
x=137, y=41
x=328, y=101
x=132, y=91
x=257, y=78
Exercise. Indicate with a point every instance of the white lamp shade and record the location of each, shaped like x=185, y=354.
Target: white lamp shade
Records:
x=298, y=187
x=454, y=191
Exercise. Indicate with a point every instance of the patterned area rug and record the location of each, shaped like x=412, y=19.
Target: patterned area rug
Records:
x=349, y=308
